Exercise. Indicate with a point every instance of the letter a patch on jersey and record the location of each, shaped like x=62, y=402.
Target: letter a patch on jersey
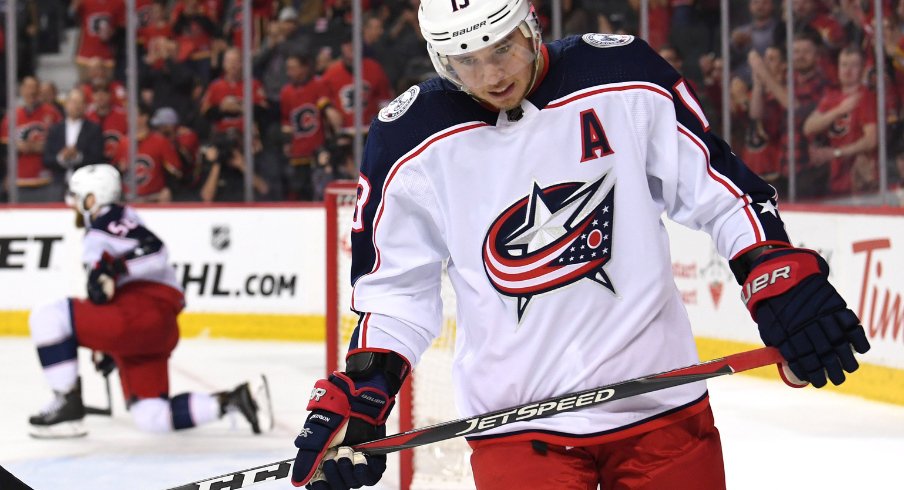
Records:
x=551, y=238
x=593, y=137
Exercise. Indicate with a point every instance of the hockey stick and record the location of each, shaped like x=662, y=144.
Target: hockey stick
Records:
x=734, y=363
x=103, y=411
x=9, y=482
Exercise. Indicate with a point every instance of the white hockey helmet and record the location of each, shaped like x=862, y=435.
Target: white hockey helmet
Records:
x=458, y=27
x=101, y=180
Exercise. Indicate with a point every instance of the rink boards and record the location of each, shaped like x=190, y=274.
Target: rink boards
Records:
x=258, y=272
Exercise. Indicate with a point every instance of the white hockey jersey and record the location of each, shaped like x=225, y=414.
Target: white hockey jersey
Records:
x=551, y=228
x=120, y=232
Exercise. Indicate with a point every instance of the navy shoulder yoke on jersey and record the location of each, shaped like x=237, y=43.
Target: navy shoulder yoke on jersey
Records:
x=114, y=214
x=114, y=222
x=435, y=106
x=579, y=63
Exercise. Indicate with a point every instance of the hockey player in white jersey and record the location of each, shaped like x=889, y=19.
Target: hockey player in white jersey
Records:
x=130, y=314
x=539, y=173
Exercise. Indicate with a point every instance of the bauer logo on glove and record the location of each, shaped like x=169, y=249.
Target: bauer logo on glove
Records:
x=760, y=283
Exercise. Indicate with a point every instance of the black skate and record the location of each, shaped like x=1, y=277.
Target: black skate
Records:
x=62, y=417
x=242, y=400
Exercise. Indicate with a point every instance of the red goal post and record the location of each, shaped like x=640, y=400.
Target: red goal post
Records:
x=427, y=396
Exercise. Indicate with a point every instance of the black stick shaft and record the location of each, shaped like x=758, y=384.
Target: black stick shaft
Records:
x=735, y=363
x=10, y=482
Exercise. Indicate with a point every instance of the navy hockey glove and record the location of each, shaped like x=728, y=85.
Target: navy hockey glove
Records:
x=102, y=278
x=788, y=293
x=346, y=409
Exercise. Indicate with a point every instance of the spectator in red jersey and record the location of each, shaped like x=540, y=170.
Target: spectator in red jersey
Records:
x=196, y=29
x=261, y=12
x=101, y=21
x=375, y=87
x=33, y=119
x=222, y=102
x=156, y=24
x=143, y=12
x=111, y=118
x=861, y=24
x=99, y=74
x=185, y=141
x=809, y=85
x=812, y=14
x=767, y=125
x=846, y=119
x=72, y=143
x=157, y=164
x=306, y=110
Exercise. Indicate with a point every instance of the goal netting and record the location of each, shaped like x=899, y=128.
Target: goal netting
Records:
x=426, y=399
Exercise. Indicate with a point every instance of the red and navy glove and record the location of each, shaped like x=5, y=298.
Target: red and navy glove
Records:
x=788, y=293
x=347, y=409
x=102, y=278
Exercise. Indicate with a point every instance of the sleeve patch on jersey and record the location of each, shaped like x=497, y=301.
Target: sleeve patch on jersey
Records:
x=598, y=40
x=399, y=105
x=689, y=101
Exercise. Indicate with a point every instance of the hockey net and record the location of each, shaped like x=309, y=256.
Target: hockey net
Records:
x=427, y=396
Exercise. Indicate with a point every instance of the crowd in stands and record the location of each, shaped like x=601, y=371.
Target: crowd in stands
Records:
x=190, y=124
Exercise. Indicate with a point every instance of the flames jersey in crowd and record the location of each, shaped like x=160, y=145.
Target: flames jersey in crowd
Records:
x=195, y=31
x=31, y=125
x=342, y=90
x=551, y=228
x=845, y=130
x=119, y=232
x=115, y=126
x=155, y=157
x=99, y=20
x=221, y=88
x=261, y=12
x=117, y=90
x=301, y=106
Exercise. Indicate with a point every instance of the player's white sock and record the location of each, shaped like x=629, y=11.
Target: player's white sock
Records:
x=193, y=409
x=51, y=331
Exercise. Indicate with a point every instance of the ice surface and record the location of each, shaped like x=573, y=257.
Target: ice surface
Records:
x=773, y=436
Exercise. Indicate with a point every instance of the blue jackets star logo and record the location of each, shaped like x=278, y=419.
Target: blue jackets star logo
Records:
x=551, y=238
